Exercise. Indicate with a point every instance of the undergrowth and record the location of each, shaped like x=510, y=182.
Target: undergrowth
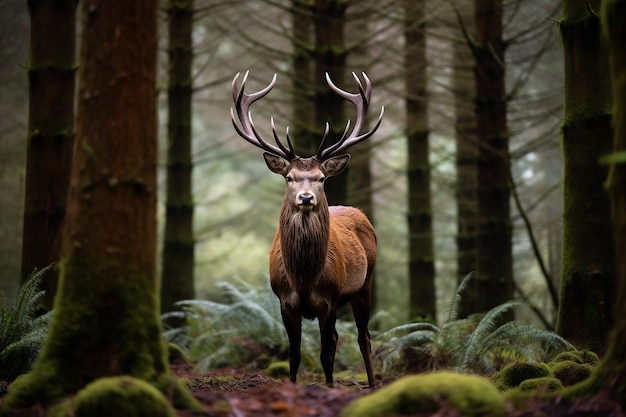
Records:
x=245, y=329
x=478, y=343
x=21, y=332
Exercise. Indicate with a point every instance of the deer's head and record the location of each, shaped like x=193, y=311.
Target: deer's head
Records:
x=305, y=176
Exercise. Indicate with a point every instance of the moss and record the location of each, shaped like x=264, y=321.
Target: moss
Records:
x=178, y=394
x=570, y=372
x=512, y=375
x=472, y=395
x=579, y=356
x=545, y=383
x=121, y=396
x=86, y=331
x=278, y=370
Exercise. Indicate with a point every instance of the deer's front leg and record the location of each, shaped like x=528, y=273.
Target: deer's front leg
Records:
x=329, y=343
x=293, y=325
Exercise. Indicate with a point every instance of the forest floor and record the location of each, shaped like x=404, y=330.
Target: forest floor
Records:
x=237, y=393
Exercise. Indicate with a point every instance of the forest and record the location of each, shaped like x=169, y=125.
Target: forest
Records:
x=148, y=253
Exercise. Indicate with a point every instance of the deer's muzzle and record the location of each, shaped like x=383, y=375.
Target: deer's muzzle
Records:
x=306, y=201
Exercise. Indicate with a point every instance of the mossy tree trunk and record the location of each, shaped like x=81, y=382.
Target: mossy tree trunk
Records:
x=329, y=17
x=466, y=158
x=610, y=374
x=51, y=76
x=106, y=320
x=586, y=314
x=494, y=278
x=421, y=257
x=177, y=272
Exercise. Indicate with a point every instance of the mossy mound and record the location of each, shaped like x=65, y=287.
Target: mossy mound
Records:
x=545, y=383
x=570, y=372
x=120, y=396
x=579, y=356
x=472, y=395
x=278, y=370
x=512, y=375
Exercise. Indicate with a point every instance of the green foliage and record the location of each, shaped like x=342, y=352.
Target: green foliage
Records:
x=21, y=333
x=245, y=328
x=478, y=343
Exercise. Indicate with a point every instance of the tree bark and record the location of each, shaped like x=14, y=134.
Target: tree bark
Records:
x=610, y=374
x=330, y=57
x=51, y=75
x=466, y=157
x=306, y=138
x=421, y=253
x=586, y=314
x=494, y=278
x=106, y=315
x=177, y=272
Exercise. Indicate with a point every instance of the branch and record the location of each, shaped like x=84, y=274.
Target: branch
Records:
x=533, y=242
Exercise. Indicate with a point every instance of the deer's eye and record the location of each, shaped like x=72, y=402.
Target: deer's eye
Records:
x=288, y=179
x=321, y=180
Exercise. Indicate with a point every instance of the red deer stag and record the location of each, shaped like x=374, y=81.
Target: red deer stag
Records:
x=322, y=257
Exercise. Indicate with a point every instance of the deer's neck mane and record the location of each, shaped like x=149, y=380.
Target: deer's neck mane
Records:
x=304, y=241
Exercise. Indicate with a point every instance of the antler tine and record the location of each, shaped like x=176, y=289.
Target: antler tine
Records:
x=361, y=102
x=247, y=130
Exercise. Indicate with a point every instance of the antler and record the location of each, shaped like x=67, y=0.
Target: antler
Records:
x=361, y=102
x=248, y=131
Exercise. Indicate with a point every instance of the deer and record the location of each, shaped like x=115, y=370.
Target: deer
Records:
x=322, y=257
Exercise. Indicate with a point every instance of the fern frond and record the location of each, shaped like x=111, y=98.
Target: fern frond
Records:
x=22, y=334
x=486, y=326
x=455, y=304
x=409, y=328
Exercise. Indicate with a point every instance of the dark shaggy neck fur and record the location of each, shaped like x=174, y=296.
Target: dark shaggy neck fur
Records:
x=304, y=241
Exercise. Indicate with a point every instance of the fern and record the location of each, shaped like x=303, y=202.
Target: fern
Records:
x=21, y=333
x=246, y=329
x=455, y=304
x=477, y=343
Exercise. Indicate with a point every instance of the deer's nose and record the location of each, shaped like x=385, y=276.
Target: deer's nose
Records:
x=306, y=199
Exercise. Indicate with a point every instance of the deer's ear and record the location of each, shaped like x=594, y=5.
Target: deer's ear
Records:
x=334, y=165
x=276, y=163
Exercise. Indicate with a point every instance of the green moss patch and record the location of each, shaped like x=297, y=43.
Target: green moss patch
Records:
x=570, y=372
x=121, y=396
x=278, y=370
x=472, y=395
x=546, y=383
x=512, y=375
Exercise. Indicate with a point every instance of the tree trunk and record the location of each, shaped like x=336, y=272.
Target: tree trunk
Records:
x=466, y=161
x=360, y=181
x=586, y=314
x=610, y=374
x=51, y=75
x=494, y=278
x=421, y=254
x=177, y=272
x=106, y=315
x=330, y=57
x=301, y=129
